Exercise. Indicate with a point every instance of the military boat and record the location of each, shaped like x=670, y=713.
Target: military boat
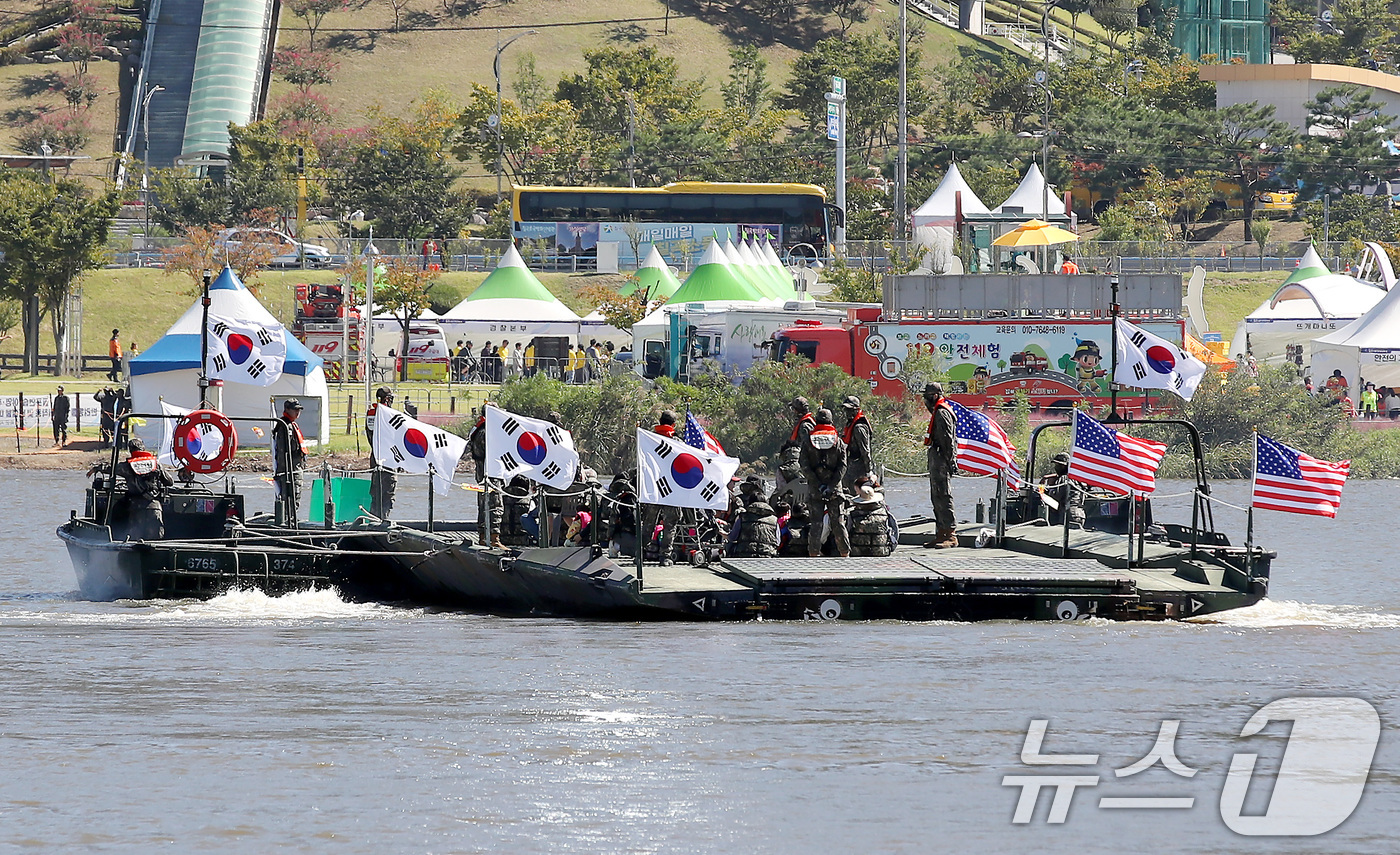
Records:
x=1022, y=564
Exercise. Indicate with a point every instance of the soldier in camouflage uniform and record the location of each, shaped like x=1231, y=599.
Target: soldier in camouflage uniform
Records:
x=757, y=524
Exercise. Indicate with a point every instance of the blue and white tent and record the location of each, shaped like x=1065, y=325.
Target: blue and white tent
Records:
x=169, y=371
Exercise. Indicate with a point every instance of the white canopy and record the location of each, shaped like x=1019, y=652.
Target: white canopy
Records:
x=1312, y=301
x=1033, y=195
x=510, y=304
x=169, y=371
x=940, y=208
x=1368, y=347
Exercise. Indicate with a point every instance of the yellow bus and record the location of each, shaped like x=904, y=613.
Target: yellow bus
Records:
x=678, y=219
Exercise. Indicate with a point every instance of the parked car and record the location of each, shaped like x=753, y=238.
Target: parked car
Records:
x=1275, y=200
x=287, y=251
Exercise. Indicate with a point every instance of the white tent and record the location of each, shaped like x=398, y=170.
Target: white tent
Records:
x=169, y=371
x=1312, y=301
x=510, y=304
x=596, y=327
x=935, y=221
x=1368, y=347
x=1033, y=196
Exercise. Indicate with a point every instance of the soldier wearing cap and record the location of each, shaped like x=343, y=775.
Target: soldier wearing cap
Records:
x=490, y=507
x=824, y=465
x=857, y=435
x=941, y=440
x=789, y=467
x=1057, y=488
x=59, y=415
x=288, y=460
x=383, y=483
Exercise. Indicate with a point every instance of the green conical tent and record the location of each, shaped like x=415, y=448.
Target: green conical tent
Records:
x=511, y=291
x=741, y=267
x=1310, y=266
x=712, y=280
x=653, y=277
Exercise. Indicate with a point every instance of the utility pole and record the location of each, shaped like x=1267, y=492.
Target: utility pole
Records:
x=146, y=158
x=371, y=251
x=301, y=207
x=836, y=130
x=631, y=139
x=901, y=171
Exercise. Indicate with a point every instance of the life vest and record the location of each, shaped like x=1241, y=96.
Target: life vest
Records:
x=476, y=440
x=807, y=418
x=823, y=437
x=665, y=430
x=143, y=462
x=942, y=402
x=851, y=426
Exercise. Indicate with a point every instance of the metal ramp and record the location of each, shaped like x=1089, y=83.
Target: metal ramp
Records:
x=931, y=571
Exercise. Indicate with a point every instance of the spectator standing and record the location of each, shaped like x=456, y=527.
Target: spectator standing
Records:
x=1370, y=401
x=114, y=353
x=517, y=361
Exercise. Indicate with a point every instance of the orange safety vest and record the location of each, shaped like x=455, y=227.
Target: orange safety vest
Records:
x=797, y=428
x=851, y=426
x=1069, y=267
x=824, y=429
x=928, y=435
x=114, y=348
x=665, y=430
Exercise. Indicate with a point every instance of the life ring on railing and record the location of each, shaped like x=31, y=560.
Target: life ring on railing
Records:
x=191, y=435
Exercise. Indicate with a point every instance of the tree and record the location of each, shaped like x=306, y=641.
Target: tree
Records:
x=1349, y=151
x=51, y=232
x=747, y=90
x=313, y=12
x=405, y=296
x=1360, y=32
x=546, y=145
x=304, y=68
x=870, y=65
x=1352, y=217
x=204, y=251
x=398, y=6
x=531, y=89
x=400, y=175
x=1248, y=146
x=847, y=12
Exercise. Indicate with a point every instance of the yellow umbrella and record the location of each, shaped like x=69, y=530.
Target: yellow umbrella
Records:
x=1035, y=233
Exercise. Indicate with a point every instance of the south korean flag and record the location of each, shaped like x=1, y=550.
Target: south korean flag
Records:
x=538, y=450
x=1147, y=361
x=245, y=351
x=682, y=476
x=409, y=445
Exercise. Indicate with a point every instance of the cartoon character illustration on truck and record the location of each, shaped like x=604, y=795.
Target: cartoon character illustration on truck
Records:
x=1087, y=373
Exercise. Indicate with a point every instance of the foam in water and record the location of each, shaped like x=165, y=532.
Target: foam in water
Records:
x=1276, y=613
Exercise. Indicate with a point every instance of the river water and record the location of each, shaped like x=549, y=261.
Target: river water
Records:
x=249, y=724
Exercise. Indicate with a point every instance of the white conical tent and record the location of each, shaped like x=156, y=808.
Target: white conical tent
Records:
x=169, y=370
x=1368, y=347
x=781, y=282
x=744, y=271
x=509, y=305
x=1034, y=196
x=780, y=270
x=1310, y=301
x=941, y=207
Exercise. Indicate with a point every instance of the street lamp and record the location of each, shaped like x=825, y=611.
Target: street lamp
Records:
x=495, y=120
x=371, y=252
x=146, y=156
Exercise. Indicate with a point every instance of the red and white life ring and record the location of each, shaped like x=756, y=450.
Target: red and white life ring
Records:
x=192, y=428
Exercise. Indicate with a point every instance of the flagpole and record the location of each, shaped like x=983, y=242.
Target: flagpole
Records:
x=430, y=498
x=1001, y=506
x=1113, y=372
x=204, y=346
x=1249, y=515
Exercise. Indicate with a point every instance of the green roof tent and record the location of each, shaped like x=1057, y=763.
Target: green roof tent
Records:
x=713, y=279
x=1310, y=266
x=512, y=293
x=743, y=263
x=782, y=283
x=654, y=277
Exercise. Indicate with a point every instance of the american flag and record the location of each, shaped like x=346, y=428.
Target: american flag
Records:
x=983, y=447
x=1286, y=479
x=1103, y=457
x=697, y=437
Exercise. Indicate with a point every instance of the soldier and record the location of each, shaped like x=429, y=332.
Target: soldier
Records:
x=790, y=467
x=59, y=415
x=859, y=460
x=756, y=526
x=941, y=440
x=666, y=515
x=620, y=510
x=288, y=460
x=1057, y=488
x=824, y=466
x=489, y=505
x=383, y=483
x=870, y=525
x=146, y=483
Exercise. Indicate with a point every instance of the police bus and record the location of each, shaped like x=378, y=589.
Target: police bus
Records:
x=679, y=219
